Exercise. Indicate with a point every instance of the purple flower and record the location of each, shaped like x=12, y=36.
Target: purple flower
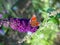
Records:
x=13, y=24
x=22, y=25
x=1, y=16
x=5, y=23
x=5, y=11
x=0, y=23
x=2, y=32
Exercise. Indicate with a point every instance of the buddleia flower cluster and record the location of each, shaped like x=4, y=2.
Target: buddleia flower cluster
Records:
x=22, y=25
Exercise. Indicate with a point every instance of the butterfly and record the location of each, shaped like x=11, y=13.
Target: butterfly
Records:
x=33, y=21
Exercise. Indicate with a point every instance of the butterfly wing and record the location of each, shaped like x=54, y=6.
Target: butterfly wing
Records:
x=33, y=21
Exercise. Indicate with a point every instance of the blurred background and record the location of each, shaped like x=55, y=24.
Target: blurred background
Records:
x=47, y=13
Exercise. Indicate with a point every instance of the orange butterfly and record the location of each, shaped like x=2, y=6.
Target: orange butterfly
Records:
x=33, y=21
